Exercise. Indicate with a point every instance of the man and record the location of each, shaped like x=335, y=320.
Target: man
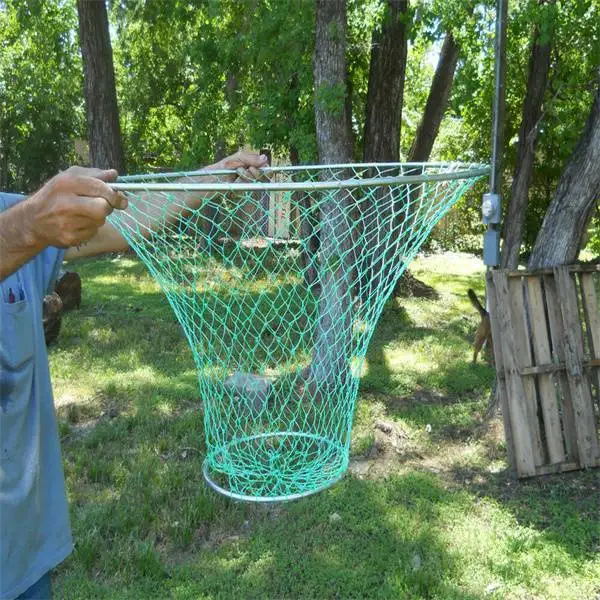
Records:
x=64, y=219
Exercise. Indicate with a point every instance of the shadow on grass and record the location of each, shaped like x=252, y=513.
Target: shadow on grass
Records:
x=162, y=532
x=384, y=543
x=145, y=522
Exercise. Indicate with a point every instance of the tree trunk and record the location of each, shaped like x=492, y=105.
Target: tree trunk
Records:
x=437, y=101
x=386, y=86
x=104, y=133
x=539, y=65
x=559, y=240
x=334, y=138
x=334, y=142
x=383, y=119
x=302, y=201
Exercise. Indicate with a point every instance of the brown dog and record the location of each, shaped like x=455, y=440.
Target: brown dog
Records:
x=484, y=331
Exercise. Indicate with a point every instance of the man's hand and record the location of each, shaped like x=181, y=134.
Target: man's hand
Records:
x=68, y=210
x=72, y=206
x=246, y=164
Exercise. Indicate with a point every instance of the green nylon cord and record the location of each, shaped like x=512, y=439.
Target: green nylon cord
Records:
x=278, y=287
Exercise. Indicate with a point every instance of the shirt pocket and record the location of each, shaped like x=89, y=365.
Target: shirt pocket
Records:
x=16, y=374
x=16, y=338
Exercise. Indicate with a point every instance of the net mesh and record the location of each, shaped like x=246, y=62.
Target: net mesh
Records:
x=278, y=286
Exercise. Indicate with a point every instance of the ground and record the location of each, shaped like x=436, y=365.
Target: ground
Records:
x=427, y=511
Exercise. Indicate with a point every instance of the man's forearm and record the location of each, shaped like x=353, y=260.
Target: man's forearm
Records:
x=18, y=243
x=150, y=206
x=145, y=210
x=169, y=206
x=107, y=239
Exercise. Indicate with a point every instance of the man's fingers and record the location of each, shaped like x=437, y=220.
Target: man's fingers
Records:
x=102, y=174
x=243, y=175
x=121, y=203
x=95, y=188
x=84, y=234
x=107, y=174
x=95, y=209
x=251, y=159
x=250, y=174
x=255, y=173
x=76, y=237
x=246, y=160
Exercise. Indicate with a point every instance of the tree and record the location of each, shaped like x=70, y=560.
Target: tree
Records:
x=559, y=239
x=334, y=142
x=386, y=85
x=539, y=66
x=333, y=125
x=41, y=112
x=437, y=102
x=99, y=89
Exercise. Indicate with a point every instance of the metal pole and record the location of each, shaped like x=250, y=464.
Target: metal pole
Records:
x=499, y=96
x=491, y=206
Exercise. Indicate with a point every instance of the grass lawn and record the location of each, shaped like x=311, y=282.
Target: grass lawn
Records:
x=427, y=511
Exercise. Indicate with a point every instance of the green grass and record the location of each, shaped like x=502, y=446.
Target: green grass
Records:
x=436, y=517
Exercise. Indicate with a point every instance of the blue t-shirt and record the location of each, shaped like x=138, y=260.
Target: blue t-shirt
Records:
x=35, y=533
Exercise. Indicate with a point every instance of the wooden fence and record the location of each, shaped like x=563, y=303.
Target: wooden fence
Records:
x=546, y=333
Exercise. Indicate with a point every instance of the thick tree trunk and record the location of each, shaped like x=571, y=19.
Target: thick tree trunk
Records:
x=100, y=93
x=559, y=240
x=334, y=138
x=539, y=65
x=334, y=142
x=383, y=119
x=437, y=101
x=386, y=86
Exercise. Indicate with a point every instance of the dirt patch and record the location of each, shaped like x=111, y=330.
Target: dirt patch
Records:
x=82, y=416
x=391, y=447
x=448, y=452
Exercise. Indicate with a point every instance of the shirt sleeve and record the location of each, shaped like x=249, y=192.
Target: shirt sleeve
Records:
x=49, y=261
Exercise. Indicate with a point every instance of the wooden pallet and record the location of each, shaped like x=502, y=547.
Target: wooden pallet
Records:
x=546, y=333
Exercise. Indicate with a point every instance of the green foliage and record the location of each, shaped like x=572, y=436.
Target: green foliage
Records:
x=214, y=76
x=593, y=245
x=41, y=104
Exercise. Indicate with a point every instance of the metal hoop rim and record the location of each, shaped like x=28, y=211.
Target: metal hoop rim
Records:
x=133, y=183
x=267, y=499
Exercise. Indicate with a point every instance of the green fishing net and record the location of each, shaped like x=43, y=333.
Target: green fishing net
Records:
x=278, y=286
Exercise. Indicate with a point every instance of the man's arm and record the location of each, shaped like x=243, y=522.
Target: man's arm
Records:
x=66, y=211
x=18, y=244
x=108, y=239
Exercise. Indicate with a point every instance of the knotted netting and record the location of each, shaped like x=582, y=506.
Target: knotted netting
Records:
x=278, y=286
